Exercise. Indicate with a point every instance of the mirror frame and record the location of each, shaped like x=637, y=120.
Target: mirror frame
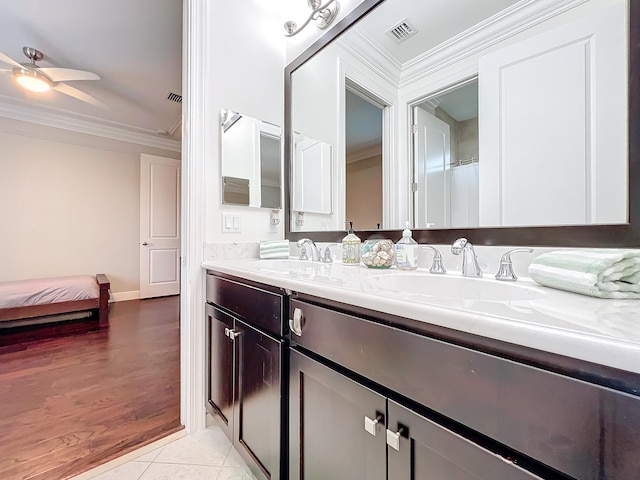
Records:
x=618, y=235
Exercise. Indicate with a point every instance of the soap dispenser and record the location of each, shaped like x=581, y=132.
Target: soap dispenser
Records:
x=351, y=247
x=406, y=251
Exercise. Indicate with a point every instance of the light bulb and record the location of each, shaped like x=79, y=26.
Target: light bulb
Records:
x=32, y=82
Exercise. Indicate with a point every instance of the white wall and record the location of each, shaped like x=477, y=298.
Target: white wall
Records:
x=245, y=72
x=68, y=207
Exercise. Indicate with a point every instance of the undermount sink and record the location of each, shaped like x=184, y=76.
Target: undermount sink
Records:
x=456, y=287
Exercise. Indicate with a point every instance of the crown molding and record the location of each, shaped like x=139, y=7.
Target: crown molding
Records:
x=17, y=110
x=371, y=54
x=507, y=23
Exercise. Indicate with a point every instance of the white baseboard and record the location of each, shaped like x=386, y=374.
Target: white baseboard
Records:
x=124, y=296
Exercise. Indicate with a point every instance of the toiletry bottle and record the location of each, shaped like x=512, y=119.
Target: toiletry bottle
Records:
x=351, y=247
x=406, y=251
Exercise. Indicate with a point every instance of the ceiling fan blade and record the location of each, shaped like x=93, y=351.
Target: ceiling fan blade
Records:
x=67, y=74
x=75, y=93
x=4, y=58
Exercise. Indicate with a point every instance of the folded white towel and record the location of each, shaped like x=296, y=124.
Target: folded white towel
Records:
x=603, y=273
x=274, y=249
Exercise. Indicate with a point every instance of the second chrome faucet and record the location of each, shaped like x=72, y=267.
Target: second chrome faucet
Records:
x=470, y=265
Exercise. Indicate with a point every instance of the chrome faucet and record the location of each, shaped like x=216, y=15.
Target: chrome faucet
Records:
x=470, y=266
x=505, y=272
x=303, y=244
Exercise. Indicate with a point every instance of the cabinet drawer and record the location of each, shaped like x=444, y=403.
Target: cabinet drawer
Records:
x=584, y=430
x=426, y=450
x=259, y=307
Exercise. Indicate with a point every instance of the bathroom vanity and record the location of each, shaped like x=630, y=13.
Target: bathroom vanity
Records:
x=380, y=384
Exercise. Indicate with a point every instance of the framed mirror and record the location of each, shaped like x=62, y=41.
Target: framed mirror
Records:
x=593, y=190
x=251, y=161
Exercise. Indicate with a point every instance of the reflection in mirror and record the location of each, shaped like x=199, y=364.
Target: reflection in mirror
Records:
x=311, y=173
x=446, y=156
x=551, y=112
x=363, y=133
x=251, y=161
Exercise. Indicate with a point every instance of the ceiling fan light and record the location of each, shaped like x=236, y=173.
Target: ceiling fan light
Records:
x=32, y=81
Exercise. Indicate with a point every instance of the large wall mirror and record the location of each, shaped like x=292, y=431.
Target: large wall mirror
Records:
x=510, y=122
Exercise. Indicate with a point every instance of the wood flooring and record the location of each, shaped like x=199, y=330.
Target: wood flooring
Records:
x=83, y=396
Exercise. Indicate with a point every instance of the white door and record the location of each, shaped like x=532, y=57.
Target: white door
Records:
x=159, y=226
x=311, y=175
x=539, y=168
x=432, y=151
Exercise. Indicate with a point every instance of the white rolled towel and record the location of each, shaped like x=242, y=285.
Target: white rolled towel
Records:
x=274, y=249
x=602, y=273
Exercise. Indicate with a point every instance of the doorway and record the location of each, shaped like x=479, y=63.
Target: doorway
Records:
x=364, y=133
x=446, y=158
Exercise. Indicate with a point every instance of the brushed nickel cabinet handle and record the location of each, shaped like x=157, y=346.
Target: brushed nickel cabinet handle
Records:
x=295, y=324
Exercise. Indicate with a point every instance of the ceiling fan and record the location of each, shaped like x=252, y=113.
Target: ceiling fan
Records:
x=43, y=79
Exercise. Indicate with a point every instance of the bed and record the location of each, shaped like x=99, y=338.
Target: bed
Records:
x=37, y=300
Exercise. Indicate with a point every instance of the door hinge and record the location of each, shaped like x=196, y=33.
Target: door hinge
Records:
x=415, y=128
x=414, y=187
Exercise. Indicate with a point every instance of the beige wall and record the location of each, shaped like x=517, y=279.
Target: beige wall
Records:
x=364, y=193
x=67, y=209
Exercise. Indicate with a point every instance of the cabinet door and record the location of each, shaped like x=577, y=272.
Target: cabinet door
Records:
x=328, y=414
x=258, y=412
x=419, y=449
x=220, y=368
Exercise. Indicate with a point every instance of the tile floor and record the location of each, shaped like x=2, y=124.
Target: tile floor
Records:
x=207, y=455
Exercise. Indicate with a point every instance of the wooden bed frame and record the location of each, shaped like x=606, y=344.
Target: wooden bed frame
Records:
x=98, y=306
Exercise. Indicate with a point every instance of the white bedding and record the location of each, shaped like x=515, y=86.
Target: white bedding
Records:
x=40, y=291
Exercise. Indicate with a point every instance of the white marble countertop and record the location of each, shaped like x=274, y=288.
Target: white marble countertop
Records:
x=606, y=332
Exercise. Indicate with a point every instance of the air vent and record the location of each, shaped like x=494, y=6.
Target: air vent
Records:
x=401, y=31
x=174, y=97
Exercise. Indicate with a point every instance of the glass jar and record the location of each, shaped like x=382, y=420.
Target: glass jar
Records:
x=378, y=253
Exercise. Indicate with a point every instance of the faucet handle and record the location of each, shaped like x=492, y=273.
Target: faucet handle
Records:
x=505, y=271
x=326, y=256
x=437, y=266
x=459, y=245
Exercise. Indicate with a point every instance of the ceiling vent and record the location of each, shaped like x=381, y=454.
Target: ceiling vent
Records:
x=401, y=31
x=174, y=97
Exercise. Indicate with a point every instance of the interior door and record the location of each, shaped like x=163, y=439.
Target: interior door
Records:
x=432, y=152
x=159, y=226
x=333, y=429
x=312, y=167
x=567, y=172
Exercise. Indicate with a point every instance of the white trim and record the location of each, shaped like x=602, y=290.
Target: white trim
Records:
x=124, y=296
x=507, y=23
x=16, y=110
x=195, y=141
x=387, y=94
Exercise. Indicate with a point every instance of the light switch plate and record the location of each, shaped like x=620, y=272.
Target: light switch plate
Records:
x=231, y=223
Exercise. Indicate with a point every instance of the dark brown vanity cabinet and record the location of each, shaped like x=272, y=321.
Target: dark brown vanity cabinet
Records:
x=440, y=410
x=341, y=429
x=245, y=361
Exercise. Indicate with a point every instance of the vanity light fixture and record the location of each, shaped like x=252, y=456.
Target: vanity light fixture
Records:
x=32, y=80
x=322, y=13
